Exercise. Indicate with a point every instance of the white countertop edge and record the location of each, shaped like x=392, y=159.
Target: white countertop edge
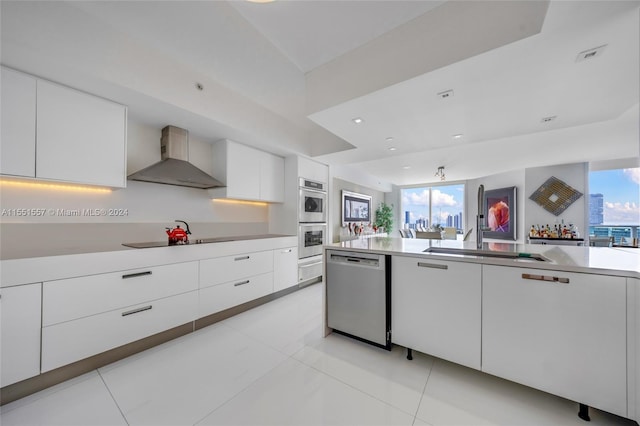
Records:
x=48, y=268
x=592, y=262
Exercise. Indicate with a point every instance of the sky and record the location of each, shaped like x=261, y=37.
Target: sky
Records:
x=621, y=193
x=620, y=188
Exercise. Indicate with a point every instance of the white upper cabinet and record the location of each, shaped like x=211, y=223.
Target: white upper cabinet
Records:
x=248, y=173
x=53, y=132
x=81, y=138
x=18, y=124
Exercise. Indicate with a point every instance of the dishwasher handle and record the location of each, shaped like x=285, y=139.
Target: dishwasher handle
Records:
x=361, y=261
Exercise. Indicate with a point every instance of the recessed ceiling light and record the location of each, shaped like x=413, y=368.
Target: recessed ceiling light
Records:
x=261, y=1
x=458, y=136
x=406, y=167
x=389, y=139
x=548, y=119
x=358, y=120
x=392, y=148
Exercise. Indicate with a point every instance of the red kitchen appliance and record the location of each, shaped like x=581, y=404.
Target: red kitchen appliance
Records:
x=178, y=235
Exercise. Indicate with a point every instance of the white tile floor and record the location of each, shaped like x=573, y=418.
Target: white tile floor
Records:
x=271, y=366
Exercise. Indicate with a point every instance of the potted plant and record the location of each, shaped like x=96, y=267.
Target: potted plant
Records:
x=384, y=217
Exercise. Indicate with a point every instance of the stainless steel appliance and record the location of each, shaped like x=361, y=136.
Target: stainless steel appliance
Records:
x=359, y=296
x=311, y=238
x=174, y=167
x=313, y=201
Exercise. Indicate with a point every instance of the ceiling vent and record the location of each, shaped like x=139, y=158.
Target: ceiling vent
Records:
x=548, y=119
x=446, y=94
x=591, y=53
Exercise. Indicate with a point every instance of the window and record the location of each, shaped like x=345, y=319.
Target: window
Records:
x=614, y=204
x=429, y=206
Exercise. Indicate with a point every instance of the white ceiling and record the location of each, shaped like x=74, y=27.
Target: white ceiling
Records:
x=260, y=63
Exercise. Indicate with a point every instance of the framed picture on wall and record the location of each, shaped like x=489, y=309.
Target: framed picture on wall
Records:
x=355, y=207
x=500, y=212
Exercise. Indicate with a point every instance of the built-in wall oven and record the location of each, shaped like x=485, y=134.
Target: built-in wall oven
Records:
x=313, y=201
x=312, y=229
x=311, y=237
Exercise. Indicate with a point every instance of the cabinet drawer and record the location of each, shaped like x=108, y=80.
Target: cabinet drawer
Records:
x=72, y=341
x=73, y=298
x=220, y=297
x=229, y=268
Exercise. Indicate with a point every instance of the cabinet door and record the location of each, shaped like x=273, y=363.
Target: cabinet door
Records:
x=243, y=172
x=285, y=268
x=272, y=178
x=566, y=337
x=81, y=138
x=18, y=124
x=19, y=333
x=435, y=308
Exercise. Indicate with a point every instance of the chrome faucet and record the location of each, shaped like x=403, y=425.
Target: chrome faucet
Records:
x=480, y=217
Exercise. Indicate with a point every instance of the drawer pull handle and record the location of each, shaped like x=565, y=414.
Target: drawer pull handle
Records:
x=241, y=283
x=242, y=258
x=136, y=274
x=135, y=311
x=286, y=251
x=545, y=278
x=432, y=265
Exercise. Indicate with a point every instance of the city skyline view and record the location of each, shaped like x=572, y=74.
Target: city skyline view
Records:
x=620, y=189
x=444, y=204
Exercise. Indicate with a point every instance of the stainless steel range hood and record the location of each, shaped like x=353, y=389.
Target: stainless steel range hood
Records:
x=175, y=168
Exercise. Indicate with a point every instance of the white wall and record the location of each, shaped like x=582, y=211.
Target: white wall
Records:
x=502, y=180
x=527, y=181
x=335, y=212
x=575, y=175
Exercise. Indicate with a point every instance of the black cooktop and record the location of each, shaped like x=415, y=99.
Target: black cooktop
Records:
x=194, y=241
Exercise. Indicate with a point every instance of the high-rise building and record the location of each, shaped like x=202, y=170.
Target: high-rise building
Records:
x=406, y=217
x=596, y=209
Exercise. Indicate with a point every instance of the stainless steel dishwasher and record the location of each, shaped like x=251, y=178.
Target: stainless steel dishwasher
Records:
x=359, y=296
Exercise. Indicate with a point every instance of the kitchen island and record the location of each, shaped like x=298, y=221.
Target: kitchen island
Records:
x=561, y=319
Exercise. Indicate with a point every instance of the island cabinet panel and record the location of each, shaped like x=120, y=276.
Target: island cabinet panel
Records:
x=563, y=333
x=19, y=333
x=633, y=347
x=435, y=308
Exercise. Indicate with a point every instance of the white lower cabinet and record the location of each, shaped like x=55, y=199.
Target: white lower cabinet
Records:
x=72, y=341
x=85, y=316
x=228, y=268
x=435, y=308
x=563, y=333
x=285, y=268
x=19, y=333
x=227, y=295
x=73, y=298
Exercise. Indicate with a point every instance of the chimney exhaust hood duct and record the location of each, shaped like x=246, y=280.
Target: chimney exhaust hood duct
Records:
x=175, y=168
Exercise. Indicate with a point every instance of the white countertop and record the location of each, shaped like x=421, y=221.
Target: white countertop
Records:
x=65, y=264
x=619, y=261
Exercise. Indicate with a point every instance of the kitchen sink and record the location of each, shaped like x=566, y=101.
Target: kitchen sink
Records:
x=533, y=257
